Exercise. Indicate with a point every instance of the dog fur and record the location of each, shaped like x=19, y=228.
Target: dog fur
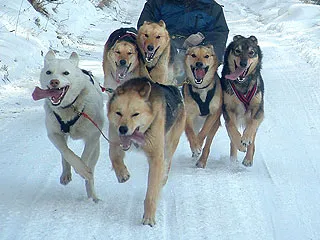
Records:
x=154, y=43
x=241, y=78
x=203, y=100
x=151, y=115
x=121, y=58
x=69, y=92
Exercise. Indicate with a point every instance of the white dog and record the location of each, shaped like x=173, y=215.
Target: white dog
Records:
x=71, y=95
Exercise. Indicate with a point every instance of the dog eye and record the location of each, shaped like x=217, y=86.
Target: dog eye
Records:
x=117, y=52
x=66, y=73
x=251, y=53
x=237, y=51
x=206, y=56
x=146, y=35
x=48, y=72
x=129, y=53
x=135, y=114
x=119, y=114
x=193, y=55
x=157, y=37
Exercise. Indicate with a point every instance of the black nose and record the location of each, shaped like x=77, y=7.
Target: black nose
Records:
x=123, y=130
x=243, y=63
x=150, y=47
x=123, y=62
x=199, y=64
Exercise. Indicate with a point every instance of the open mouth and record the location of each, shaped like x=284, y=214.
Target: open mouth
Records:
x=127, y=140
x=55, y=95
x=239, y=74
x=150, y=55
x=199, y=73
x=122, y=72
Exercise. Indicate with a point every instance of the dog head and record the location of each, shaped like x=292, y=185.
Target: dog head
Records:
x=61, y=80
x=130, y=111
x=244, y=57
x=152, y=39
x=201, y=63
x=124, y=59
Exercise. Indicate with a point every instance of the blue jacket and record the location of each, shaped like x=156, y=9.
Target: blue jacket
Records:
x=183, y=19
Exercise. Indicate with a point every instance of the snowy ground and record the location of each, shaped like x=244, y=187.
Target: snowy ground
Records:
x=278, y=198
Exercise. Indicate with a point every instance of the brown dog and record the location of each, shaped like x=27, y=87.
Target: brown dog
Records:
x=154, y=43
x=243, y=92
x=203, y=99
x=151, y=115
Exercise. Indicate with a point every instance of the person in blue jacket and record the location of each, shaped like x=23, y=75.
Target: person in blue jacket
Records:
x=189, y=23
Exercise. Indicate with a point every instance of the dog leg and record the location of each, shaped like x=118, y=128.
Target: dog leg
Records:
x=155, y=177
x=234, y=134
x=233, y=152
x=192, y=138
x=60, y=143
x=172, y=141
x=248, y=159
x=66, y=175
x=90, y=157
x=202, y=162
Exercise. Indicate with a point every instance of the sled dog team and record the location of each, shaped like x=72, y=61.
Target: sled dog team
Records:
x=145, y=107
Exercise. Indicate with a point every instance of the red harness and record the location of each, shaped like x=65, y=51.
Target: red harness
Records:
x=245, y=98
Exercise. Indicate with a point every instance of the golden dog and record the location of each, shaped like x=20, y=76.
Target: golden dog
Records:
x=151, y=115
x=203, y=99
x=154, y=43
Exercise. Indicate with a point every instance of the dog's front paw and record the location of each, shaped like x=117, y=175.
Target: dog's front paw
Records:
x=246, y=140
x=201, y=163
x=196, y=153
x=65, y=178
x=123, y=175
x=247, y=163
x=148, y=220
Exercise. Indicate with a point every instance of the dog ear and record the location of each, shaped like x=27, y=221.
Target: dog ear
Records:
x=49, y=56
x=145, y=91
x=74, y=58
x=162, y=24
x=254, y=39
x=237, y=37
x=119, y=90
x=211, y=48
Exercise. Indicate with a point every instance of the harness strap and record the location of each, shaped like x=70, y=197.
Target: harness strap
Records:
x=65, y=127
x=203, y=106
x=245, y=98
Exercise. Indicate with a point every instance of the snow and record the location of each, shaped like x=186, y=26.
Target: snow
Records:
x=277, y=198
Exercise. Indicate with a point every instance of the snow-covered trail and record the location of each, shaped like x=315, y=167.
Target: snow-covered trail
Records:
x=275, y=199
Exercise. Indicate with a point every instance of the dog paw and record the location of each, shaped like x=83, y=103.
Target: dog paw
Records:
x=123, y=175
x=65, y=178
x=201, y=164
x=196, y=153
x=148, y=221
x=247, y=163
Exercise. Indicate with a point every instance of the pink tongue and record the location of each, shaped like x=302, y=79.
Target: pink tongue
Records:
x=199, y=73
x=237, y=73
x=137, y=137
x=121, y=73
x=39, y=93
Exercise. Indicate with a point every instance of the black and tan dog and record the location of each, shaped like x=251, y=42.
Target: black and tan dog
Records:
x=203, y=99
x=151, y=115
x=243, y=92
x=121, y=58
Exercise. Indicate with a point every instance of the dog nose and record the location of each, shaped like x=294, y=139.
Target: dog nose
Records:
x=199, y=64
x=123, y=62
x=243, y=63
x=123, y=130
x=150, y=47
x=54, y=83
